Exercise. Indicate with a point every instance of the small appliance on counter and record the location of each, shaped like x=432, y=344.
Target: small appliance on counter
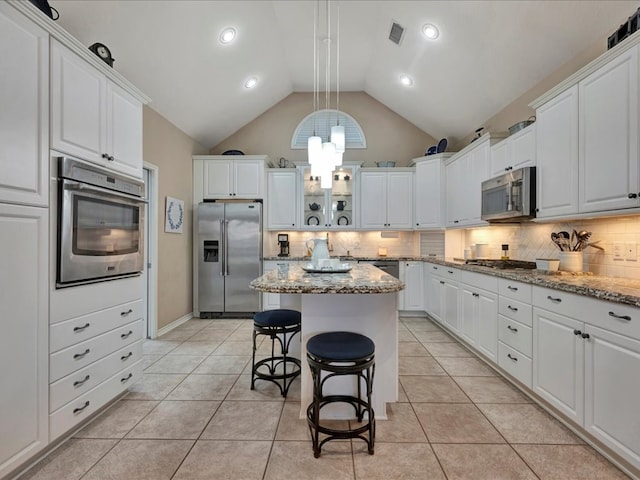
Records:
x=283, y=241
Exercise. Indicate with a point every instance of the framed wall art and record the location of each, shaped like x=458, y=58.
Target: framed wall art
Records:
x=174, y=215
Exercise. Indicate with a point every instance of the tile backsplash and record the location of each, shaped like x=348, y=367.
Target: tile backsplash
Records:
x=529, y=241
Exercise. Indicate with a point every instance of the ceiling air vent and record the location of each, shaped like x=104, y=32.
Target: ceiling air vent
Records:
x=396, y=33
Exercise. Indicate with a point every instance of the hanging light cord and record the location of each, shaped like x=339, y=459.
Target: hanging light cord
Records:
x=327, y=73
x=315, y=65
x=338, y=67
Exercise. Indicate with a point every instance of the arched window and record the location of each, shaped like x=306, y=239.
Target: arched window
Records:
x=324, y=120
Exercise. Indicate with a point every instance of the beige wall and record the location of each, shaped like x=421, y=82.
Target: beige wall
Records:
x=519, y=109
x=389, y=136
x=170, y=149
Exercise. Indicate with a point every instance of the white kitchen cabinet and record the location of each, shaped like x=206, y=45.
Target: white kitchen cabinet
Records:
x=412, y=297
x=328, y=209
x=516, y=151
x=450, y=305
x=271, y=301
x=24, y=111
x=478, y=318
x=24, y=342
x=432, y=293
x=557, y=155
x=92, y=117
x=282, y=199
x=386, y=199
x=609, y=167
x=221, y=177
x=429, y=192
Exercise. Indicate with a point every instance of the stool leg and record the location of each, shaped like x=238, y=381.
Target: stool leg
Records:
x=372, y=420
x=315, y=411
x=253, y=361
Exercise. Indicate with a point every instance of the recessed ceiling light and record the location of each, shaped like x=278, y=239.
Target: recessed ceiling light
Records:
x=406, y=80
x=251, y=82
x=430, y=31
x=228, y=35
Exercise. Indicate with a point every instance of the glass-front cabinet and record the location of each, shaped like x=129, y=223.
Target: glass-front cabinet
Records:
x=333, y=208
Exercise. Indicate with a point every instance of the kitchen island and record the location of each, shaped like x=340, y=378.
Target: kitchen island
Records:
x=363, y=300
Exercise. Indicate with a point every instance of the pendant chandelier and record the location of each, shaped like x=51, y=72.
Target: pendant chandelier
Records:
x=326, y=154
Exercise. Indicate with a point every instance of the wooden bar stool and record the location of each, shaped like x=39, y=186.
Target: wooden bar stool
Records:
x=341, y=353
x=280, y=368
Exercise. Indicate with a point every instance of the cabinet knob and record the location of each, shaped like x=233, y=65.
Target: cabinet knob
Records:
x=537, y=209
x=475, y=294
x=455, y=221
x=441, y=282
x=633, y=195
x=577, y=332
x=586, y=335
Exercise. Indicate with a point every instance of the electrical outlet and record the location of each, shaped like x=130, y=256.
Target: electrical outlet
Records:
x=631, y=252
x=618, y=250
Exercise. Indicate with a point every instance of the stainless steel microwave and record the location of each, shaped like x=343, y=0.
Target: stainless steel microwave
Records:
x=100, y=224
x=511, y=197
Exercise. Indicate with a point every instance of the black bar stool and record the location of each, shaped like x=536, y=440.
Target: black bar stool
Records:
x=281, y=369
x=341, y=353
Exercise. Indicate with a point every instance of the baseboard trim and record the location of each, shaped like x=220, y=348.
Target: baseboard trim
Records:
x=174, y=324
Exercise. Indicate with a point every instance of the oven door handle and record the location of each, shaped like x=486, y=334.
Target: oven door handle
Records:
x=71, y=185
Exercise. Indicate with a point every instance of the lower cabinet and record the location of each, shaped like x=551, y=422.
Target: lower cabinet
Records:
x=24, y=340
x=271, y=301
x=412, y=297
x=479, y=319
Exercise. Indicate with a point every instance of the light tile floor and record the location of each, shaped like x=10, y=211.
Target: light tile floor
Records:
x=194, y=417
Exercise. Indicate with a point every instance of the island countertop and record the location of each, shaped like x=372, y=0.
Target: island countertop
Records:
x=362, y=278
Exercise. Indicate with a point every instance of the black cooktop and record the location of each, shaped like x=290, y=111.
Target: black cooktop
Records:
x=502, y=264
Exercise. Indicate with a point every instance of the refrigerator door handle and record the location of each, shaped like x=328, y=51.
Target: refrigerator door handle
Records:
x=223, y=249
x=226, y=247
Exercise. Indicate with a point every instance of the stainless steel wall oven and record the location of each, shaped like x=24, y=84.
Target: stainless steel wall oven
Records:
x=100, y=224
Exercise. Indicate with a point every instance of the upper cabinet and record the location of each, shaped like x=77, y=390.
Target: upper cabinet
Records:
x=324, y=208
x=429, y=192
x=92, y=117
x=386, y=199
x=516, y=151
x=587, y=139
x=221, y=177
x=282, y=199
x=24, y=111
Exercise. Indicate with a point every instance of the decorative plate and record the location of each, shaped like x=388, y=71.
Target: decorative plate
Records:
x=343, y=220
x=343, y=268
x=442, y=145
x=313, y=220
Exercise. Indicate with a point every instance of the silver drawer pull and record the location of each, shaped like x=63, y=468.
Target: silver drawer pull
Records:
x=556, y=300
x=78, y=356
x=512, y=358
x=126, y=335
x=124, y=314
x=513, y=309
x=514, y=330
x=513, y=289
x=79, y=409
x=79, y=383
x=80, y=329
x=126, y=357
x=122, y=380
x=621, y=317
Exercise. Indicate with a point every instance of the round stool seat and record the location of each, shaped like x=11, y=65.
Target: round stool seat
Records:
x=340, y=346
x=281, y=317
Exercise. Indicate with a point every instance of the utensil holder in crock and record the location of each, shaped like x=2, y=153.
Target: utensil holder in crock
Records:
x=571, y=261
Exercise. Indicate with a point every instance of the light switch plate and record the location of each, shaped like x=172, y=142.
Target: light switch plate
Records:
x=631, y=252
x=618, y=250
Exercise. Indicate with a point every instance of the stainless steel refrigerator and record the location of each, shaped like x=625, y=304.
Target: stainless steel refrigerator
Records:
x=230, y=256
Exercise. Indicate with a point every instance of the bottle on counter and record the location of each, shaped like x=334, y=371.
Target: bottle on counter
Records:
x=505, y=252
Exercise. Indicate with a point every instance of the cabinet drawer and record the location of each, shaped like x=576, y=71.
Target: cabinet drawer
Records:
x=516, y=310
x=515, y=335
x=616, y=317
x=516, y=290
x=70, y=332
x=515, y=363
x=73, y=358
x=479, y=280
x=82, y=407
x=80, y=382
x=446, y=272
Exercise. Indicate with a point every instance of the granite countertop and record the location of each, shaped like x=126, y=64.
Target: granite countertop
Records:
x=361, y=279
x=348, y=258
x=620, y=290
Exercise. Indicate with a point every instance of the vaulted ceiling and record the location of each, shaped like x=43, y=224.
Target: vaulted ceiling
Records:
x=487, y=55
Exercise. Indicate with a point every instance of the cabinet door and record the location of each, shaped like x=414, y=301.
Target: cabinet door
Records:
x=558, y=362
x=400, y=200
x=373, y=200
x=557, y=155
x=218, y=178
x=282, y=199
x=476, y=169
x=428, y=194
x=523, y=148
x=78, y=106
x=609, y=136
x=612, y=390
x=411, y=298
x=124, y=131
x=270, y=301
x=436, y=291
x=450, y=306
x=24, y=346
x=248, y=179
x=487, y=338
x=454, y=193
x=24, y=115
x=500, y=153
x=468, y=314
